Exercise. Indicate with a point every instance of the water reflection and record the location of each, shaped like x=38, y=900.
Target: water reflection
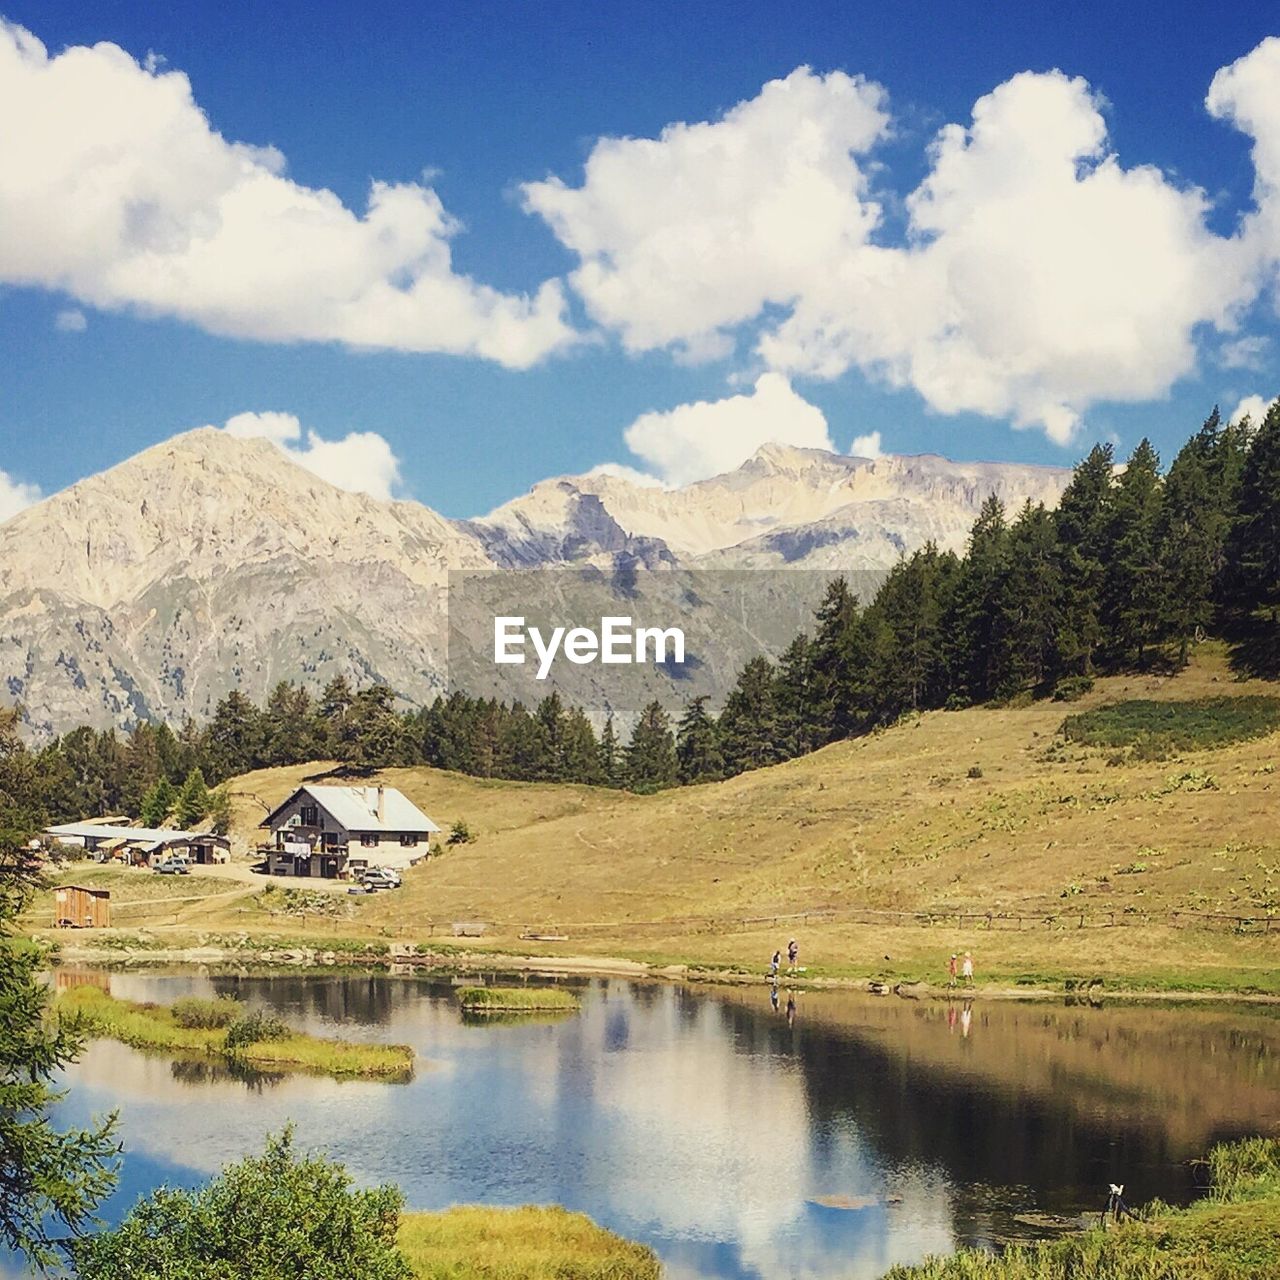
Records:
x=744, y=1133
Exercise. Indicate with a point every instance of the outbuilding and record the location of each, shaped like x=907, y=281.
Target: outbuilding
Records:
x=141, y=846
x=76, y=907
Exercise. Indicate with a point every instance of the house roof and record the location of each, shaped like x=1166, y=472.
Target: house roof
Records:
x=356, y=808
x=151, y=835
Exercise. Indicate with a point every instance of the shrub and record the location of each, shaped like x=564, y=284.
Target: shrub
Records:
x=255, y=1027
x=460, y=833
x=1072, y=688
x=196, y=1013
x=975, y=771
x=1175, y=726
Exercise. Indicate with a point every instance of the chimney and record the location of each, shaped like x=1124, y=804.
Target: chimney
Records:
x=382, y=804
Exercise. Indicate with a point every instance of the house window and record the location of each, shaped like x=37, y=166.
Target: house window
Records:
x=409, y=841
x=310, y=815
x=369, y=841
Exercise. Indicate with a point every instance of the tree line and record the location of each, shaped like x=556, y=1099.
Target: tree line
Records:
x=1129, y=570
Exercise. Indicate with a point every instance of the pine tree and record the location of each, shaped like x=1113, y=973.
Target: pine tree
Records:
x=369, y=732
x=193, y=801
x=651, y=753
x=698, y=755
x=1192, y=532
x=581, y=750
x=550, y=721
x=292, y=732
x=749, y=723
x=235, y=737
x=612, y=757
x=1081, y=520
x=837, y=654
x=969, y=624
x=1253, y=554
x=158, y=803
x=794, y=699
x=1027, y=606
x=1133, y=585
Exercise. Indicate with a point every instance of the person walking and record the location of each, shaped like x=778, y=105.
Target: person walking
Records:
x=966, y=969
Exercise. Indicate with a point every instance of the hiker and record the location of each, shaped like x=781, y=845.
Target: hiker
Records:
x=793, y=953
x=775, y=964
x=966, y=969
x=951, y=970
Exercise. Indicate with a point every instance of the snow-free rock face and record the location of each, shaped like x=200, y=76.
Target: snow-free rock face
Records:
x=210, y=563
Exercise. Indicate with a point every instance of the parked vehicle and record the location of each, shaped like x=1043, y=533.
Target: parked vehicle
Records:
x=380, y=878
x=172, y=867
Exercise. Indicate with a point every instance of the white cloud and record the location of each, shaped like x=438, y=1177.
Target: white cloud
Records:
x=15, y=495
x=1254, y=406
x=618, y=471
x=361, y=462
x=867, y=446
x=707, y=438
x=115, y=189
x=685, y=236
x=1245, y=353
x=70, y=321
x=1038, y=275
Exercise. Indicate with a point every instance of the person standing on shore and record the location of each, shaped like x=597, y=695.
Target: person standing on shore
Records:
x=775, y=964
x=951, y=970
x=793, y=953
x=966, y=969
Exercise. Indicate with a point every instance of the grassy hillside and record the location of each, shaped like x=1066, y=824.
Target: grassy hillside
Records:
x=976, y=811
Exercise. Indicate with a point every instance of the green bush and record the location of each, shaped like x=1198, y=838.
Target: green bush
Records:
x=195, y=1013
x=1071, y=688
x=460, y=833
x=255, y=1027
x=1155, y=727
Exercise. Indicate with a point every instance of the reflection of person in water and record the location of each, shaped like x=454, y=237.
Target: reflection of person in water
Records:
x=791, y=1009
x=951, y=1018
x=773, y=997
x=966, y=1016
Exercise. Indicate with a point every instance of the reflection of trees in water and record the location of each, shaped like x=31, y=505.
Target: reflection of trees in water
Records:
x=196, y=1072
x=976, y=1128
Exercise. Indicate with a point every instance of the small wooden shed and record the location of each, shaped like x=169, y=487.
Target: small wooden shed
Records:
x=75, y=907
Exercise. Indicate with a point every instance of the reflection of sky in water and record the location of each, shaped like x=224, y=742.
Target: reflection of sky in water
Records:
x=706, y=1129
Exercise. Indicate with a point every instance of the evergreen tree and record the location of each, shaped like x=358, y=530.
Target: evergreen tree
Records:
x=651, y=753
x=581, y=750
x=235, y=737
x=1253, y=554
x=51, y=1180
x=219, y=815
x=1027, y=610
x=158, y=803
x=794, y=699
x=970, y=621
x=193, y=801
x=1133, y=585
x=836, y=657
x=1194, y=517
x=698, y=757
x=369, y=732
x=1081, y=520
x=292, y=731
x=612, y=757
x=749, y=722
x=549, y=765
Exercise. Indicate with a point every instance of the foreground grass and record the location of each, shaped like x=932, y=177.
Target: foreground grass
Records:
x=532, y=1243
x=1232, y=1235
x=517, y=1000
x=153, y=1028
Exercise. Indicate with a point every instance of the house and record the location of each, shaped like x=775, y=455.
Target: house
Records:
x=336, y=832
x=75, y=907
x=140, y=846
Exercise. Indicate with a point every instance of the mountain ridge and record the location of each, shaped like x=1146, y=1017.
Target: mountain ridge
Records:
x=208, y=563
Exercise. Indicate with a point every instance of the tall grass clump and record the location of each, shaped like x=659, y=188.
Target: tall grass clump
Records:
x=195, y=1013
x=517, y=999
x=1195, y=724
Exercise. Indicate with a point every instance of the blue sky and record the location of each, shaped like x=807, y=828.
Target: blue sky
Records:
x=1017, y=336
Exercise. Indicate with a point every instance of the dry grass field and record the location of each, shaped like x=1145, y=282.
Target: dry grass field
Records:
x=986, y=810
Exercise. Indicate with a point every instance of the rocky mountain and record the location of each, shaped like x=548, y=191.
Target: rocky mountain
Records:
x=210, y=563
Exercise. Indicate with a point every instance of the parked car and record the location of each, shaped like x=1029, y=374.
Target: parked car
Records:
x=172, y=867
x=380, y=878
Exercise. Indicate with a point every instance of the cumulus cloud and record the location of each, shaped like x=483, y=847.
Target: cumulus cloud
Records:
x=1038, y=275
x=361, y=462
x=867, y=446
x=684, y=236
x=70, y=321
x=1245, y=353
x=709, y=437
x=15, y=495
x=618, y=471
x=115, y=189
x=1254, y=407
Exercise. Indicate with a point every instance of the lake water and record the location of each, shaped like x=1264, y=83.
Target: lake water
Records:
x=829, y=1139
